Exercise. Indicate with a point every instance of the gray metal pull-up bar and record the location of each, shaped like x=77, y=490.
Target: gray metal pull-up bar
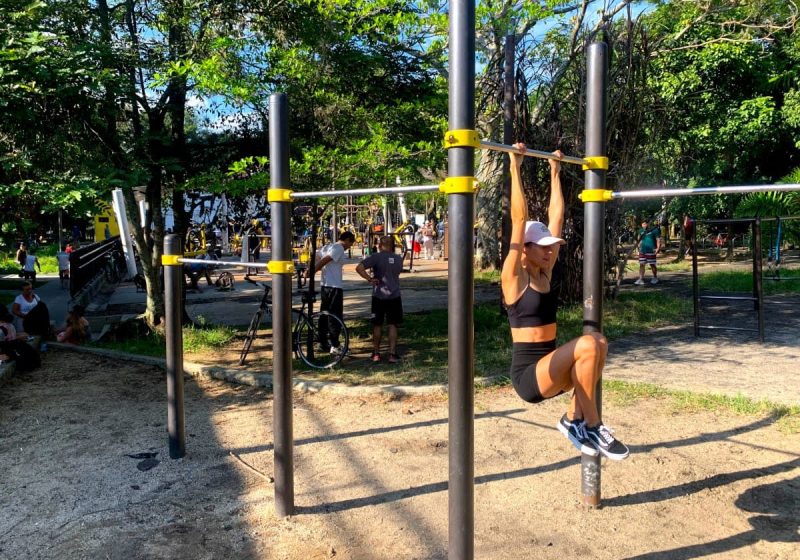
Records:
x=495, y=147
x=235, y=264
x=374, y=190
x=739, y=189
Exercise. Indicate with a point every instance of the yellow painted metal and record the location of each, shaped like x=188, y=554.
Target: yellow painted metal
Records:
x=170, y=260
x=595, y=162
x=280, y=267
x=462, y=138
x=279, y=195
x=459, y=185
x=596, y=195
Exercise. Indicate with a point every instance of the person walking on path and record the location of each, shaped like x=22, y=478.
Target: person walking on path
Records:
x=539, y=369
x=63, y=268
x=22, y=255
x=31, y=264
x=387, y=304
x=649, y=246
x=427, y=240
x=329, y=261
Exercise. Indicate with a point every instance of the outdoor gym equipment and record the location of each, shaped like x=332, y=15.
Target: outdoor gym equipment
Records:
x=460, y=189
x=758, y=288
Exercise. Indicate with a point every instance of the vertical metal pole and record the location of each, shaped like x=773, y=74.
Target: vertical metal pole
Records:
x=758, y=279
x=460, y=295
x=281, y=308
x=508, y=139
x=312, y=263
x=594, y=237
x=173, y=312
x=695, y=282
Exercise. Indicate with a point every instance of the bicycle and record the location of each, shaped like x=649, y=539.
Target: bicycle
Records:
x=308, y=343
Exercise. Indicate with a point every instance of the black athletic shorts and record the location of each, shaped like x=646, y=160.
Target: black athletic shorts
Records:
x=389, y=309
x=524, y=358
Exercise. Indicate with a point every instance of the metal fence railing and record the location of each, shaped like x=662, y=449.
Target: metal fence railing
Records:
x=87, y=263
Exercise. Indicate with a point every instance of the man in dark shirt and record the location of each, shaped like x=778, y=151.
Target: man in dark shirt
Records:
x=385, y=266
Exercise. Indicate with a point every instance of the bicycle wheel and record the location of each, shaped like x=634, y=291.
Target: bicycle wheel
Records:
x=315, y=350
x=252, y=333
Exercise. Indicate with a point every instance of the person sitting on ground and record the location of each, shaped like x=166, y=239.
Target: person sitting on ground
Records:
x=195, y=270
x=13, y=345
x=31, y=264
x=387, y=305
x=76, y=327
x=330, y=260
x=7, y=329
x=31, y=313
x=539, y=369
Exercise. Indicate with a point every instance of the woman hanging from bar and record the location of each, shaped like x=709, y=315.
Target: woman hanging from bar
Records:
x=539, y=369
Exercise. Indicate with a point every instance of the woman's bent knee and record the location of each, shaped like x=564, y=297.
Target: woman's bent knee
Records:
x=591, y=345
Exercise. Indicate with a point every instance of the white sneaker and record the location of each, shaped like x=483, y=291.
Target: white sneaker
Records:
x=653, y=281
x=336, y=350
x=639, y=282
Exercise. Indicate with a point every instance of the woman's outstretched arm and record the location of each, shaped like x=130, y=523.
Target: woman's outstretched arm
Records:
x=511, y=275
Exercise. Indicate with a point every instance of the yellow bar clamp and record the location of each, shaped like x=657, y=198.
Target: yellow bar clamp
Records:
x=596, y=195
x=170, y=260
x=280, y=267
x=459, y=185
x=595, y=162
x=462, y=138
x=279, y=195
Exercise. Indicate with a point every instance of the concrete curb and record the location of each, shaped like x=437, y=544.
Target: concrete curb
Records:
x=255, y=379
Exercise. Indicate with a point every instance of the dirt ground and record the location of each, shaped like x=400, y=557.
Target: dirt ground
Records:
x=371, y=476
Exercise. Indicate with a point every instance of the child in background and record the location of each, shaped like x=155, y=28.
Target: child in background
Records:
x=76, y=327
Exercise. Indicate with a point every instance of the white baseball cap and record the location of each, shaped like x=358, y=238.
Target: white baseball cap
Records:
x=538, y=233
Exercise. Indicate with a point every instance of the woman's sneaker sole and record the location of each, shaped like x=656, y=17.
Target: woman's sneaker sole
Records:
x=574, y=432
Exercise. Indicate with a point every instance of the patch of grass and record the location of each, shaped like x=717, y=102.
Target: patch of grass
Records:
x=45, y=253
x=626, y=393
x=151, y=345
x=424, y=336
x=742, y=281
x=487, y=276
x=206, y=337
x=196, y=339
x=629, y=313
x=681, y=266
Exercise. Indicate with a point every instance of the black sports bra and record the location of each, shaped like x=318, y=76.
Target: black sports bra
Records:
x=533, y=309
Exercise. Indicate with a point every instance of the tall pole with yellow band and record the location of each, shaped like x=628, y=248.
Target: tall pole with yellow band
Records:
x=460, y=189
x=280, y=266
x=594, y=231
x=173, y=328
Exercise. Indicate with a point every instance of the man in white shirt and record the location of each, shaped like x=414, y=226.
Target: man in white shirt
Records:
x=330, y=260
x=63, y=268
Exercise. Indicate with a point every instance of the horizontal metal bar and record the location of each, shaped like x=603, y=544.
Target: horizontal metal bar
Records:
x=733, y=298
x=374, y=190
x=494, y=146
x=781, y=278
x=235, y=264
x=712, y=327
x=739, y=189
x=723, y=221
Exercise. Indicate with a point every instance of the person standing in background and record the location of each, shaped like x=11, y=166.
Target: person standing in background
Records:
x=649, y=246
